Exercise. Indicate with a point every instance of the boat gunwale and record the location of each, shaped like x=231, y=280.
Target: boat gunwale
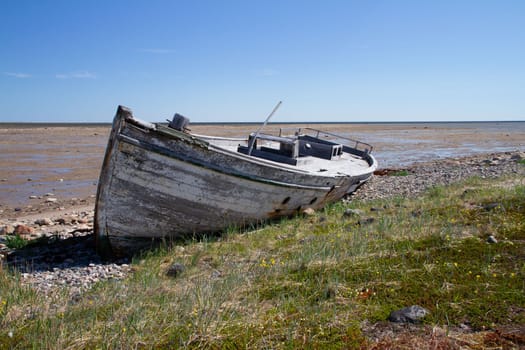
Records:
x=166, y=152
x=202, y=140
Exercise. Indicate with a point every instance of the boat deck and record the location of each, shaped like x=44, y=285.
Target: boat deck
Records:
x=345, y=164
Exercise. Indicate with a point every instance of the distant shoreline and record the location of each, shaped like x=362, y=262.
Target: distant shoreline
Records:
x=23, y=125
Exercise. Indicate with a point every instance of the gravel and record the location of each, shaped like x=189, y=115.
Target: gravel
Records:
x=422, y=176
x=65, y=262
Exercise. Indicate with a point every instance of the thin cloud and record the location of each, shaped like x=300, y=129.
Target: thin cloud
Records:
x=18, y=75
x=76, y=75
x=157, y=51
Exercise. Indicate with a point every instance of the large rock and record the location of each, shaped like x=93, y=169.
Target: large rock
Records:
x=410, y=314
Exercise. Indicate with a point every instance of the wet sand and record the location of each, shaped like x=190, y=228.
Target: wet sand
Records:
x=38, y=163
x=58, y=160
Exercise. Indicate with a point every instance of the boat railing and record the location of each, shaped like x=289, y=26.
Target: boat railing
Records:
x=346, y=141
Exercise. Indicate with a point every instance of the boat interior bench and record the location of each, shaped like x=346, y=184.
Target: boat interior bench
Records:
x=289, y=149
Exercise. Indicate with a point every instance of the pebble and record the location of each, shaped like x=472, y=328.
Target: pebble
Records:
x=492, y=239
x=44, y=222
x=175, y=270
x=366, y=221
x=63, y=221
x=410, y=314
x=308, y=211
x=491, y=206
x=7, y=230
x=22, y=230
x=353, y=212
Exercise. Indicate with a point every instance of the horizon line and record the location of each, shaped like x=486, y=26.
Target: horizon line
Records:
x=103, y=123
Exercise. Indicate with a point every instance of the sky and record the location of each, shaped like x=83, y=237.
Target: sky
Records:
x=232, y=61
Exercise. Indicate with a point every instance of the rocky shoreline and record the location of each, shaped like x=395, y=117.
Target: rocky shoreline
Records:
x=60, y=250
x=64, y=254
x=415, y=179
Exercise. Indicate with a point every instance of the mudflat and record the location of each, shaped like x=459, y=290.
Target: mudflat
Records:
x=61, y=162
x=54, y=167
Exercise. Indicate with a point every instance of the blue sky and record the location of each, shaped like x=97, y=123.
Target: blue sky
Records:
x=76, y=60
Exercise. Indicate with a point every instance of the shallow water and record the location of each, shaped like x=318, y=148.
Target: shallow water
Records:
x=424, y=142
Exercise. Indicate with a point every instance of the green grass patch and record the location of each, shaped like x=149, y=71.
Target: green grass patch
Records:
x=18, y=242
x=301, y=282
x=15, y=242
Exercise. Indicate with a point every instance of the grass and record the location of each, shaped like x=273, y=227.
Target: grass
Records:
x=305, y=282
x=18, y=242
x=15, y=242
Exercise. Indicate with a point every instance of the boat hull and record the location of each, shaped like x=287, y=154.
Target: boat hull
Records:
x=157, y=183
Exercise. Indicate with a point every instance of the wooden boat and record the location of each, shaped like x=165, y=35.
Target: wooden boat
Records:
x=162, y=182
